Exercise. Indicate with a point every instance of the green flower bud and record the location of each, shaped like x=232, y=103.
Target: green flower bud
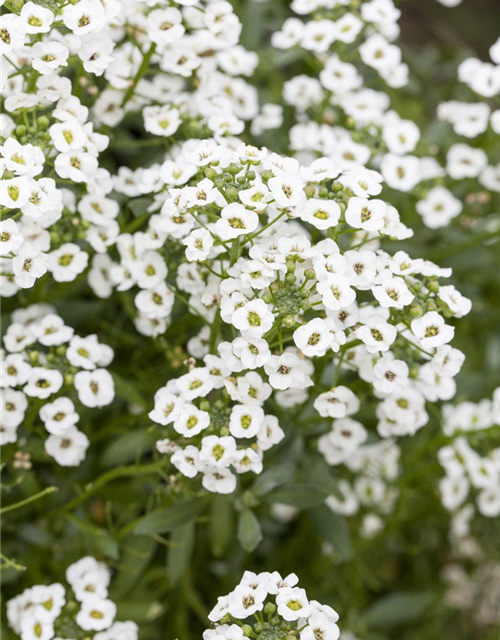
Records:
x=210, y=173
x=288, y=321
x=266, y=175
x=270, y=608
x=433, y=286
x=20, y=130
x=205, y=405
x=247, y=630
x=337, y=186
x=268, y=298
x=291, y=278
x=227, y=177
x=219, y=183
x=234, y=169
x=251, y=175
x=431, y=305
x=232, y=193
x=43, y=122
x=416, y=311
x=309, y=190
x=224, y=431
x=258, y=627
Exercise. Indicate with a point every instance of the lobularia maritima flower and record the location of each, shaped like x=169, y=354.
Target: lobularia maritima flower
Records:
x=348, y=41
x=472, y=477
x=47, y=366
x=44, y=612
x=297, y=280
x=249, y=611
x=54, y=193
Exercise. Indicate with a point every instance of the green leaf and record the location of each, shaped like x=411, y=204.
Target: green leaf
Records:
x=398, y=608
x=319, y=474
x=272, y=478
x=140, y=206
x=171, y=517
x=179, y=554
x=98, y=538
x=128, y=391
x=303, y=496
x=129, y=447
x=332, y=528
x=137, y=553
x=249, y=530
x=220, y=524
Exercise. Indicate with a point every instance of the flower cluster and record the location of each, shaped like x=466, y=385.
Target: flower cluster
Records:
x=292, y=615
x=49, y=136
x=345, y=115
x=232, y=431
x=476, y=593
x=43, y=612
x=286, y=260
x=373, y=471
x=53, y=368
x=469, y=474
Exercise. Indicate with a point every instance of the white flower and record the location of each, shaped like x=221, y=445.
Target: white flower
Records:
x=198, y=245
x=432, y=330
x=88, y=578
x=34, y=19
x=219, y=481
x=287, y=372
x=187, y=460
x=339, y=402
x=69, y=448
x=235, y=221
x=161, y=121
x=245, y=601
x=59, y=416
x=393, y=293
x=253, y=319
x=95, y=388
x=323, y=214
x=10, y=238
x=51, y=330
x=246, y=421
x=320, y=626
x=390, y=374
x=84, y=17
x=49, y=56
x=459, y=305
x=43, y=382
x=377, y=334
x=217, y=451
x=165, y=26
x=336, y=292
x=28, y=265
x=191, y=421
x=362, y=213
x=293, y=604
x=67, y=262
x=96, y=613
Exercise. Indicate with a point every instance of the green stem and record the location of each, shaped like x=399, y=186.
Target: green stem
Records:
x=109, y=476
x=22, y=503
x=141, y=71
